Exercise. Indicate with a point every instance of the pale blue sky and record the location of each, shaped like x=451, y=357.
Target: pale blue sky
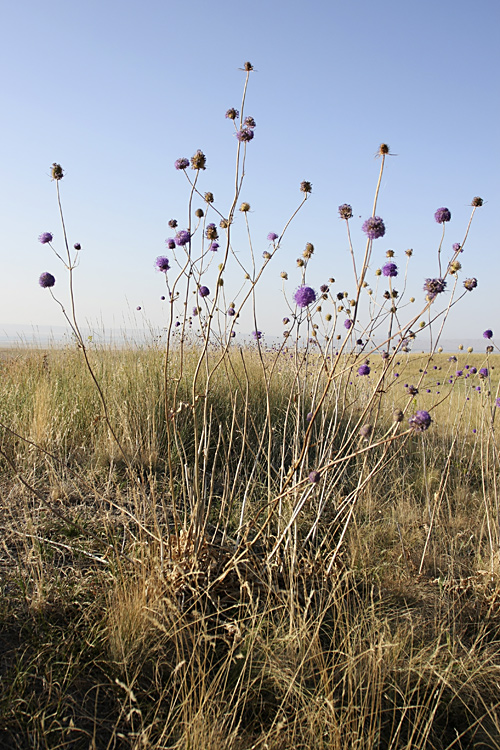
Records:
x=115, y=92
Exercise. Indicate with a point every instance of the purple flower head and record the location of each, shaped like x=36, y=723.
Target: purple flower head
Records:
x=214, y=246
x=363, y=370
x=203, y=291
x=497, y=403
x=348, y=323
x=257, y=335
x=442, y=215
x=459, y=373
x=390, y=269
x=412, y=390
x=162, y=263
x=433, y=287
x=314, y=477
x=46, y=280
x=374, y=227
x=182, y=237
x=211, y=232
x=181, y=163
x=488, y=334
x=170, y=243
x=286, y=321
x=304, y=296
x=345, y=211
x=365, y=431
x=324, y=289
x=420, y=421
x=483, y=373
x=456, y=247
x=309, y=416
x=473, y=370
x=249, y=122
x=470, y=284
x=77, y=246
x=162, y=298
x=138, y=307
x=272, y=236
x=231, y=311
x=244, y=135
x=45, y=237
x=195, y=312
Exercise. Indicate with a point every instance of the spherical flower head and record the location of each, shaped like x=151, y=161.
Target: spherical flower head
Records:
x=324, y=289
x=433, y=287
x=77, y=246
x=397, y=415
x=162, y=298
x=266, y=255
x=374, y=227
x=232, y=114
x=211, y=232
x=46, y=280
x=390, y=269
x=231, y=311
x=304, y=296
x=195, y=312
x=347, y=323
x=203, y=291
x=488, y=334
x=272, y=236
x=477, y=201
x=473, y=370
x=497, y=403
x=442, y=214
x=249, y=122
x=286, y=321
x=420, y=421
x=247, y=66
x=314, y=477
x=364, y=370
x=245, y=135
x=182, y=163
x=412, y=390
x=45, y=237
x=245, y=207
x=257, y=335
x=162, y=263
x=138, y=308
x=305, y=187
x=345, y=211
x=172, y=223
x=483, y=373
x=470, y=284
x=170, y=243
x=284, y=275
x=456, y=247
x=209, y=197
x=198, y=160
x=214, y=246
x=182, y=237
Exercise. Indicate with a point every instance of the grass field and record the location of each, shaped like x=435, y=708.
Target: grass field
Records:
x=185, y=584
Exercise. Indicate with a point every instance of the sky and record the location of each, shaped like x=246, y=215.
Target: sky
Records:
x=116, y=92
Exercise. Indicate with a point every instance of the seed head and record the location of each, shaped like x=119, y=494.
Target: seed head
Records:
x=56, y=172
x=232, y=114
x=209, y=197
x=365, y=431
x=470, y=284
x=345, y=211
x=284, y=275
x=397, y=415
x=433, y=287
x=305, y=187
x=249, y=122
x=211, y=232
x=247, y=66
x=477, y=201
x=198, y=160
x=199, y=213
x=383, y=149
x=172, y=223
x=245, y=207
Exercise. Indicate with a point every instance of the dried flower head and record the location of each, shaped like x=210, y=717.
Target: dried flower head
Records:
x=304, y=296
x=314, y=477
x=455, y=266
x=211, y=232
x=182, y=163
x=383, y=149
x=306, y=187
x=232, y=114
x=172, y=223
x=420, y=421
x=409, y=252
x=249, y=122
x=56, y=172
x=365, y=431
x=245, y=207
x=397, y=415
x=45, y=237
x=324, y=289
x=209, y=197
x=433, y=287
x=162, y=263
x=345, y=211
x=170, y=243
x=199, y=213
x=284, y=275
x=374, y=227
x=477, y=201
x=308, y=251
x=470, y=284
x=46, y=280
x=247, y=66
x=442, y=214
x=198, y=160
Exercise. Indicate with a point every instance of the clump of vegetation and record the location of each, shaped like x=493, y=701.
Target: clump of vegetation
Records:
x=214, y=542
